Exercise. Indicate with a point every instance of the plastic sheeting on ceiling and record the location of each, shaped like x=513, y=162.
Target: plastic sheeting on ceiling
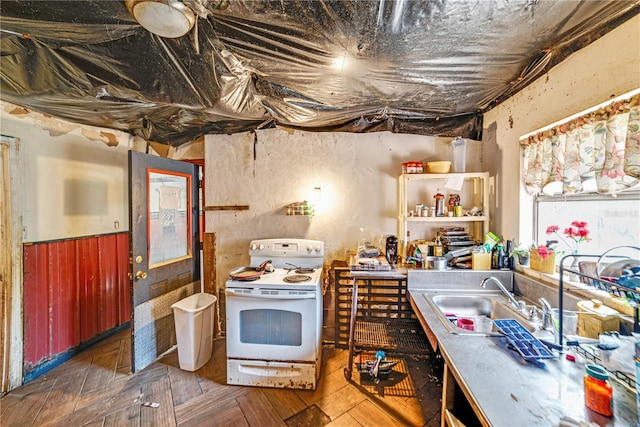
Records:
x=407, y=66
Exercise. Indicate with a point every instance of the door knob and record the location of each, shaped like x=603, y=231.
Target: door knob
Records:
x=141, y=275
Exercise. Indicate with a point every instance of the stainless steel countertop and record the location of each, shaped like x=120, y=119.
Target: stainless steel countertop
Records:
x=511, y=392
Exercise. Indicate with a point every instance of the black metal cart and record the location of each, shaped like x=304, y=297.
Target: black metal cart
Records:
x=379, y=314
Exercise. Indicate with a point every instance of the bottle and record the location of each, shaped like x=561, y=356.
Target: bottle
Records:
x=439, y=198
x=494, y=258
x=498, y=257
x=598, y=393
x=391, y=249
x=502, y=258
x=438, y=250
x=509, y=249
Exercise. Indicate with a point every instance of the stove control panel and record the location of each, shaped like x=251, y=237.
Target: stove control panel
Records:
x=287, y=248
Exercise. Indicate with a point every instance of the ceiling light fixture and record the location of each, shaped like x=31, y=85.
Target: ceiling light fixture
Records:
x=165, y=18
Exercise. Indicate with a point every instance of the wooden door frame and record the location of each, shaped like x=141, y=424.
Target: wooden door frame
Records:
x=208, y=249
x=11, y=320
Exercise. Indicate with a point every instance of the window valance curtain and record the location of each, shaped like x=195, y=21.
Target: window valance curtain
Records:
x=601, y=146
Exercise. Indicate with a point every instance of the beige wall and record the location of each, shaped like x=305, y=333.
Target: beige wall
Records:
x=607, y=68
x=74, y=177
x=358, y=175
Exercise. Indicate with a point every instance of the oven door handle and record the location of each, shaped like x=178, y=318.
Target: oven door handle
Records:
x=306, y=295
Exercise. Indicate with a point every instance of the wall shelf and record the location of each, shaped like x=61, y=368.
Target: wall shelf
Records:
x=441, y=219
x=417, y=188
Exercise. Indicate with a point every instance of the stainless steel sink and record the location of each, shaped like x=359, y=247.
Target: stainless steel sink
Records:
x=449, y=306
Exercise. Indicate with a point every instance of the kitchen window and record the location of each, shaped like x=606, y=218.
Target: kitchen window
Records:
x=587, y=168
x=611, y=221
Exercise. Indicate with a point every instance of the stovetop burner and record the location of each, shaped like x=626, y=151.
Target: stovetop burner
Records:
x=296, y=278
x=304, y=270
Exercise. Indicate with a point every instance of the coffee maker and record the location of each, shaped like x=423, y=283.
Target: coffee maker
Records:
x=391, y=249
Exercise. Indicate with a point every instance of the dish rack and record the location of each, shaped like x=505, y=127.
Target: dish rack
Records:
x=627, y=379
x=593, y=279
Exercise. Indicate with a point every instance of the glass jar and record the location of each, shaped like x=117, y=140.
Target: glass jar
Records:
x=598, y=393
x=439, y=202
x=454, y=199
x=437, y=245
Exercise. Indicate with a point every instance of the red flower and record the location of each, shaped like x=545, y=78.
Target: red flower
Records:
x=578, y=232
x=583, y=232
x=543, y=251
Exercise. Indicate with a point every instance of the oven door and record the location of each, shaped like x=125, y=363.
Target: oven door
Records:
x=272, y=325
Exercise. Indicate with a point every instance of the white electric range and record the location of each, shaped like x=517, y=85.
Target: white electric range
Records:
x=274, y=323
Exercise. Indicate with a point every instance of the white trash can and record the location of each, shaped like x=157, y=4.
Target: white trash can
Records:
x=194, y=330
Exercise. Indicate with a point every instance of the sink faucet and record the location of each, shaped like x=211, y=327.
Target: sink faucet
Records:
x=547, y=321
x=504, y=290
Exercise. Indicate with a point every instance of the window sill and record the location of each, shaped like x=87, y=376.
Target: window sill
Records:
x=580, y=289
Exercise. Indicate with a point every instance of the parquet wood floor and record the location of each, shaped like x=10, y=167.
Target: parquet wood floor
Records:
x=96, y=388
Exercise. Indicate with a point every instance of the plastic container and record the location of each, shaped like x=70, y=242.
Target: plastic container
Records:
x=194, y=330
x=482, y=324
x=595, y=318
x=598, y=393
x=465, y=323
x=459, y=155
x=569, y=322
x=439, y=167
x=480, y=261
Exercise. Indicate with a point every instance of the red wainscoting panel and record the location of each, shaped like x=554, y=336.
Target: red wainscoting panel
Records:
x=74, y=290
x=89, y=289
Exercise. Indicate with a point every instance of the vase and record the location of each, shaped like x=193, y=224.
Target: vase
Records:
x=574, y=268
